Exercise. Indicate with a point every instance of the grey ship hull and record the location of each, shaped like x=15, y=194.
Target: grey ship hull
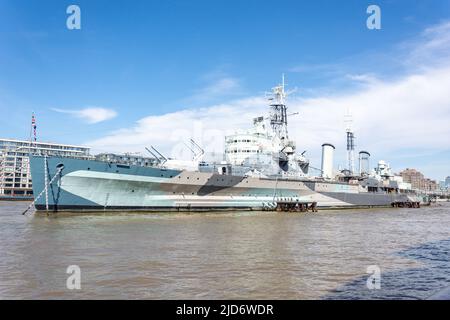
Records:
x=88, y=185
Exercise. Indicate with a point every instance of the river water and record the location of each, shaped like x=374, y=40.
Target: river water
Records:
x=241, y=255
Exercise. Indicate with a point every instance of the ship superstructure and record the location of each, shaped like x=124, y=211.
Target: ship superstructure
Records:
x=266, y=150
x=261, y=170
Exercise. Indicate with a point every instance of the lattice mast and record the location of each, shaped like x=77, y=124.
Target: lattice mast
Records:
x=278, y=113
x=348, y=119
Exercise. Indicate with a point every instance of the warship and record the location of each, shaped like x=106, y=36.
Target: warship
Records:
x=261, y=170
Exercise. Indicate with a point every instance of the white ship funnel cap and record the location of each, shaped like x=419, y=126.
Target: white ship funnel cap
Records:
x=327, y=160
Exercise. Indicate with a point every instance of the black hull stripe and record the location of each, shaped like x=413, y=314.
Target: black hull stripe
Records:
x=136, y=208
x=70, y=208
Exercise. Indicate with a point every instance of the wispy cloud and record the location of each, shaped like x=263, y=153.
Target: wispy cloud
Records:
x=214, y=86
x=216, y=89
x=431, y=48
x=326, y=69
x=365, y=78
x=90, y=115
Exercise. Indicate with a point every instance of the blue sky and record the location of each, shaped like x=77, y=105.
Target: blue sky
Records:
x=141, y=59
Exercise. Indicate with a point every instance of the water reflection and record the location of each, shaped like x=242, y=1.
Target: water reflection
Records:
x=225, y=256
x=412, y=283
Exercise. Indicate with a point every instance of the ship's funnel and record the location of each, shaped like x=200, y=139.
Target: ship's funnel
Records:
x=327, y=160
x=364, y=163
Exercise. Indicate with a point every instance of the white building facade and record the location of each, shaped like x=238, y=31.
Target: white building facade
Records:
x=15, y=178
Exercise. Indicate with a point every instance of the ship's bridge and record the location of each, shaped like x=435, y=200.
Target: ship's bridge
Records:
x=251, y=144
x=240, y=147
